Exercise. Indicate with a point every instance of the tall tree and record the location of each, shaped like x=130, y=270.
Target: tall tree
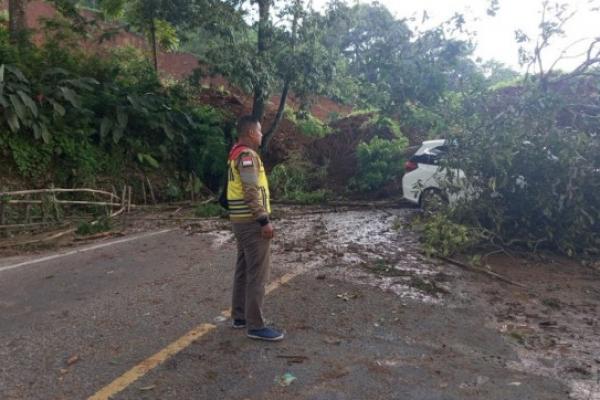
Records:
x=261, y=91
x=156, y=19
x=17, y=19
x=288, y=74
x=392, y=63
x=282, y=51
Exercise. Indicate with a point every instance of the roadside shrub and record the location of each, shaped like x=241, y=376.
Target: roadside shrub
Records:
x=102, y=225
x=379, y=162
x=69, y=117
x=320, y=196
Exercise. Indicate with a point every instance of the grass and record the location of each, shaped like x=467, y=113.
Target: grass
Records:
x=552, y=303
x=208, y=210
x=87, y=228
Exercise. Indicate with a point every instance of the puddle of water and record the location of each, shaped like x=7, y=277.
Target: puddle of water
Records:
x=585, y=390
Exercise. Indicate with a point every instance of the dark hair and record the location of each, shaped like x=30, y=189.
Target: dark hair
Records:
x=245, y=123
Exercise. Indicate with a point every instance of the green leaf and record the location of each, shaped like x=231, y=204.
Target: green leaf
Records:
x=17, y=73
x=71, y=96
x=18, y=106
x=78, y=84
x=148, y=159
x=28, y=102
x=58, y=108
x=45, y=134
x=2, y=73
x=12, y=120
x=105, y=126
x=168, y=130
x=90, y=81
x=122, y=118
x=151, y=160
x=117, y=133
x=37, y=131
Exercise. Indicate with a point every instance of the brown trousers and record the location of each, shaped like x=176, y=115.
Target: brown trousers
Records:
x=252, y=270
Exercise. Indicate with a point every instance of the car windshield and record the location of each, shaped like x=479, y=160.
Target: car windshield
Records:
x=431, y=156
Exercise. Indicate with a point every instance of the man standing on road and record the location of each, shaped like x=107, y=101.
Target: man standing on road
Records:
x=249, y=208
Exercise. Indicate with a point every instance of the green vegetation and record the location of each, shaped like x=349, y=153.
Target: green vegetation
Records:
x=528, y=145
x=87, y=229
x=71, y=118
x=208, y=210
x=307, y=123
x=533, y=168
x=311, y=126
x=381, y=123
x=443, y=237
x=298, y=181
x=379, y=162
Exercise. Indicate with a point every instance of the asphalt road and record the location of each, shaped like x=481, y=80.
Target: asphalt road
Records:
x=70, y=326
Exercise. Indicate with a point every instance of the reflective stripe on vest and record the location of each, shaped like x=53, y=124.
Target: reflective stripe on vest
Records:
x=238, y=209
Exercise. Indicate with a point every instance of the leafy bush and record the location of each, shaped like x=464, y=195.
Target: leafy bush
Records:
x=208, y=210
x=443, y=237
x=298, y=180
x=312, y=126
x=383, y=124
x=101, y=225
x=379, y=162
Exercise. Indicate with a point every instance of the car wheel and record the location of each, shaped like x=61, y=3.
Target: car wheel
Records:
x=433, y=200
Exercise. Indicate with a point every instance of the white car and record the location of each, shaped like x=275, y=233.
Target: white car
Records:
x=423, y=181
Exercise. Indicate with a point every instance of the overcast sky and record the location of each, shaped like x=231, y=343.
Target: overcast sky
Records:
x=495, y=39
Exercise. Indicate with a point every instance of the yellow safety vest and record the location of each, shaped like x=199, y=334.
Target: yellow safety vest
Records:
x=238, y=209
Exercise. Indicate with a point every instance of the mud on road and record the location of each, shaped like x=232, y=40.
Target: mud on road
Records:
x=367, y=316
x=551, y=326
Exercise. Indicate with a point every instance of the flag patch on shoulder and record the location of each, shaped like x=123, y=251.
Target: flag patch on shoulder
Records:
x=247, y=162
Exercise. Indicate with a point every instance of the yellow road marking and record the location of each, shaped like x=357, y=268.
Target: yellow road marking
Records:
x=152, y=362
x=135, y=373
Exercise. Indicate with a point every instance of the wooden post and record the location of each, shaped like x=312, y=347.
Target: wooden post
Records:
x=129, y=199
x=28, y=211
x=124, y=196
x=114, y=192
x=192, y=181
x=55, y=206
x=2, y=215
x=144, y=191
x=151, y=191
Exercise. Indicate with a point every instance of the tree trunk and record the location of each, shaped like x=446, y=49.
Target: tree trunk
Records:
x=17, y=21
x=258, y=105
x=260, y=92
x=286, y=85
x=278, y=117
x=153, y=44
